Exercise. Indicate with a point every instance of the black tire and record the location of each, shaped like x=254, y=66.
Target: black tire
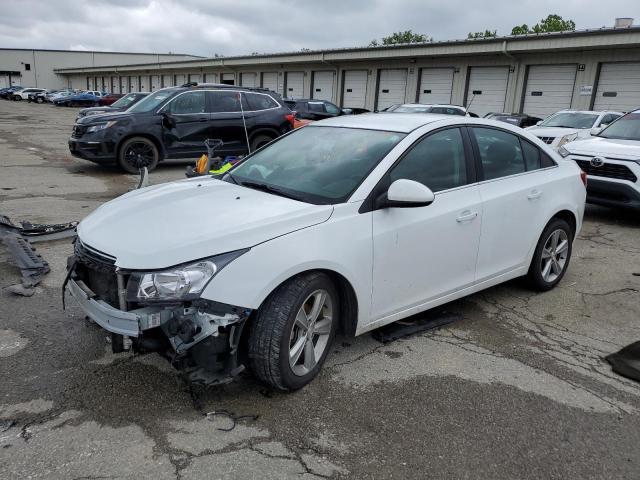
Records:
x=259, y=141
x=39, y=100
x=535, y=278
x=148, y=155
x=271, y=333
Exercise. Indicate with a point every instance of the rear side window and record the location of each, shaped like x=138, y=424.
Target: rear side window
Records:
x=437, y=161
x=531, y=155
x=447, y=111
x=500, y=153
x=260, y=102
x=316, y=107
x=187, y=103
x=227, y=102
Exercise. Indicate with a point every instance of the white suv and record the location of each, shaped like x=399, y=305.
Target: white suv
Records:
x=24, y=93
x=568, y=125
x=611, y=160
x=345, y=224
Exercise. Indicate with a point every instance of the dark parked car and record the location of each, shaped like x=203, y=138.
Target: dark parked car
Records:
x=175, y=122
x=313, y=109
x=521, y=120
x=110, y=99
x=120, y=105
x=82, y=99
x=8, y=91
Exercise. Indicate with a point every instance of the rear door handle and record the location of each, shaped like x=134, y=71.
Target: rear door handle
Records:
x=466, y=216
x=534, y=195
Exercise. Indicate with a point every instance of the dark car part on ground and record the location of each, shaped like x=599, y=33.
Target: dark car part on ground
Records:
x=626, y=362
x=429, y=320
x=174, y=122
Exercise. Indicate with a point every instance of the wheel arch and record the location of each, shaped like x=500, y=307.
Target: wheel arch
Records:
x=569, y=217
x=269, y=131
x=148, y=136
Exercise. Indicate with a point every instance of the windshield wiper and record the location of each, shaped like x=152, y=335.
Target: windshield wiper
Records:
x=263, y=187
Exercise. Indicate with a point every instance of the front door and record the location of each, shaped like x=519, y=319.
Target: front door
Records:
x=185, y=127
x=424, y=253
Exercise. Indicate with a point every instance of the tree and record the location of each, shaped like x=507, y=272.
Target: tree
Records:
x=485, y=34
x=553, y=23
x=402, y=37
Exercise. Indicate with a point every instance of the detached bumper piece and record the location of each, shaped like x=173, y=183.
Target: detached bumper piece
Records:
x=626, y=362
x=199, y=338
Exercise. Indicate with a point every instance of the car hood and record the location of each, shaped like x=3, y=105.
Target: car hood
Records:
x=105, y=109
x=104, y=117
x=606, y=147
x=177, y=222
x=554, y=131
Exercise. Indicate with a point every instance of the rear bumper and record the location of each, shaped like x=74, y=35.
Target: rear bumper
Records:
x=99, y=152
x=612, y=194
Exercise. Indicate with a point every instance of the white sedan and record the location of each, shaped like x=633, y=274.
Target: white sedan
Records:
x=346, y=224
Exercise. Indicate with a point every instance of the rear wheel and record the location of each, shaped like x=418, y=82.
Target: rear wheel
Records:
x=136, y=153
x=259, y=141
x=552, y=255
x=293, y=331
x=39, y=100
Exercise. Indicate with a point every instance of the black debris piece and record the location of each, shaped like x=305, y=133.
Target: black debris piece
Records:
x=626, y=362
x=31, y=265
x=419, y=323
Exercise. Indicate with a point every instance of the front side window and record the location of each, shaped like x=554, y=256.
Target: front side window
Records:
x=321, y=165
x=188, y=103
x=500, y=153
x=437, y=161
x=331, y=108
x=571, y=120
x=625, y=128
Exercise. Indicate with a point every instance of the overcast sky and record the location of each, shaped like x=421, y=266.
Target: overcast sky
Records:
x=236, y=27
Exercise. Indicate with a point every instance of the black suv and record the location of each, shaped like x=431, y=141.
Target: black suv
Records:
x=175, y=122
x=313, y=109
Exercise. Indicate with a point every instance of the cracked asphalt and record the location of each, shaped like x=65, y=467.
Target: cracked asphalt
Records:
x=517, y=389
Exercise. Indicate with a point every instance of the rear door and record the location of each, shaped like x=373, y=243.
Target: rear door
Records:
x=189, y=116
x=516, y=191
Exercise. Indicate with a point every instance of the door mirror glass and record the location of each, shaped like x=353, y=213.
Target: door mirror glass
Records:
x=595, y=131
x=405, y=193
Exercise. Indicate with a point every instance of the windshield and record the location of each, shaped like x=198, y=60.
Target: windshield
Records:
x=320, y=165
x=625, y=128
x=571, y=120
x=125, y=101
x=151, y=102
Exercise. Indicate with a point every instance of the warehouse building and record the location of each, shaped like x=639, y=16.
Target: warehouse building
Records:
x=536, y=74
x=35, y=68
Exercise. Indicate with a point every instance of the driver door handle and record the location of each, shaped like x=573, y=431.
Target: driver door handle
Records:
x=534, y=194
x=466, y=216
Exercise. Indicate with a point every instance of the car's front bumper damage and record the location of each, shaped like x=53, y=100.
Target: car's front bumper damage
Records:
x=200, y=338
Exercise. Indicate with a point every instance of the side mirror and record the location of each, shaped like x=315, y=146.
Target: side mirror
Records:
x=346, y=111
x=405, y=193
x=595, y=131
x=538, y=123
x=168, y=121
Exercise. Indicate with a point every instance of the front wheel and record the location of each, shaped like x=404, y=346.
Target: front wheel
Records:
x=136, y=153
x=551, y=257
x=293, y=331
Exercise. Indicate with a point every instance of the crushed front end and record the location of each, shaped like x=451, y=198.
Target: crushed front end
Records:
x=159, y=312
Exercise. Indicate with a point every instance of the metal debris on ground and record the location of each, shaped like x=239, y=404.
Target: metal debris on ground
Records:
x=231, y=416
x=426, y=321
x=626, y=362
x=38, y=232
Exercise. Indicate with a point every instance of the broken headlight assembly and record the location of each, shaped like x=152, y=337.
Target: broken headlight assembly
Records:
x=180, y=283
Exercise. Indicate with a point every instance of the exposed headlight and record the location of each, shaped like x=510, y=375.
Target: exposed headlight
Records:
x=184, y=282
x=100, y=126
x=567, y=138
x=563, y=152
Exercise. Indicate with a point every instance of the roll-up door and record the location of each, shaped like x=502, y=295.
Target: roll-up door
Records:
x=210, y=77
x=248, y=79
x=181, y=79
x=354, y=89
x=618, y=87
x=229, y=78
x=124, y=84
x=549, y=89
x=294, y=85
x=487, y=89
x=144, y=83
x=392, y=87
x=167, y=81
x=154, y=83
x=194, y=77
x=270, y=81
x=436, y=85
x=322, y=86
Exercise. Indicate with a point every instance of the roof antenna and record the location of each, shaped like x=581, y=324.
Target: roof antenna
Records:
x=244, y=122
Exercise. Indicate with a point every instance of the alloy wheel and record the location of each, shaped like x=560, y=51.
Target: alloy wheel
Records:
x=139, y=154
x=310, y=332
x=554, y=255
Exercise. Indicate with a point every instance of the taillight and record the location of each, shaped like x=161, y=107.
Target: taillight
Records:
x=583, y=177
x=291, y=118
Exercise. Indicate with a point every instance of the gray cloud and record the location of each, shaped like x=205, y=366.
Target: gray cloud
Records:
x=232, y=27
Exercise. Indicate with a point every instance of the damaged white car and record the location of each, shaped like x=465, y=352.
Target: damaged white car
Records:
x=346, y=224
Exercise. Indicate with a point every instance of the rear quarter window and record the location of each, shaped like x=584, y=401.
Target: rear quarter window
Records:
x=260, y=102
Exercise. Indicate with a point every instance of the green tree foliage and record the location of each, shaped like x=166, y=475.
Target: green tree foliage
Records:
x=485, y=34
x=402, y=37
x=553, y=23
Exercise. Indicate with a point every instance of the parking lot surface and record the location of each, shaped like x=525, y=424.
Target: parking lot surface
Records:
x=517, y=389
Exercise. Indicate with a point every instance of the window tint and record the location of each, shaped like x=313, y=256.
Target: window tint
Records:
x=190, y=102
x=607, y=119
x=500, y=153
x=531, y=155
x=331, y=108
x=223, y=101
x=260, y=102
x=447, y=111
x=437, y=161
x=316, y=107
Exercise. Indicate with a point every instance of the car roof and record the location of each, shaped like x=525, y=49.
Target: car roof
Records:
x=404, y=123
x=431, y=105
x=594, y=112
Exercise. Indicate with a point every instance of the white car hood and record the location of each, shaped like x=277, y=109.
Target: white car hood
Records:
x=606, y=147
x=554, y=132
x=177, y=222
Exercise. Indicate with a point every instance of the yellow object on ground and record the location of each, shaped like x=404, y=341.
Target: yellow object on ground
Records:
x=202, y=164
x=222, y=169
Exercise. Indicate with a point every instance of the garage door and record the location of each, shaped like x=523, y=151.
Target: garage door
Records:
x=210, y=77
x=229, y=78
x=154, y=83
x=323, y=86
x=354, y=89
x=392, y=87
x=124, y=85
x=167, y=81
x=294, y=85
x=487, y=89
x=194, y=77
x=248, y=79
x=144, y=83
x=549, y=89
x=270, y=81
x=114, y=85
x=436, y=85
x=618, y=87
x=181, y=79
